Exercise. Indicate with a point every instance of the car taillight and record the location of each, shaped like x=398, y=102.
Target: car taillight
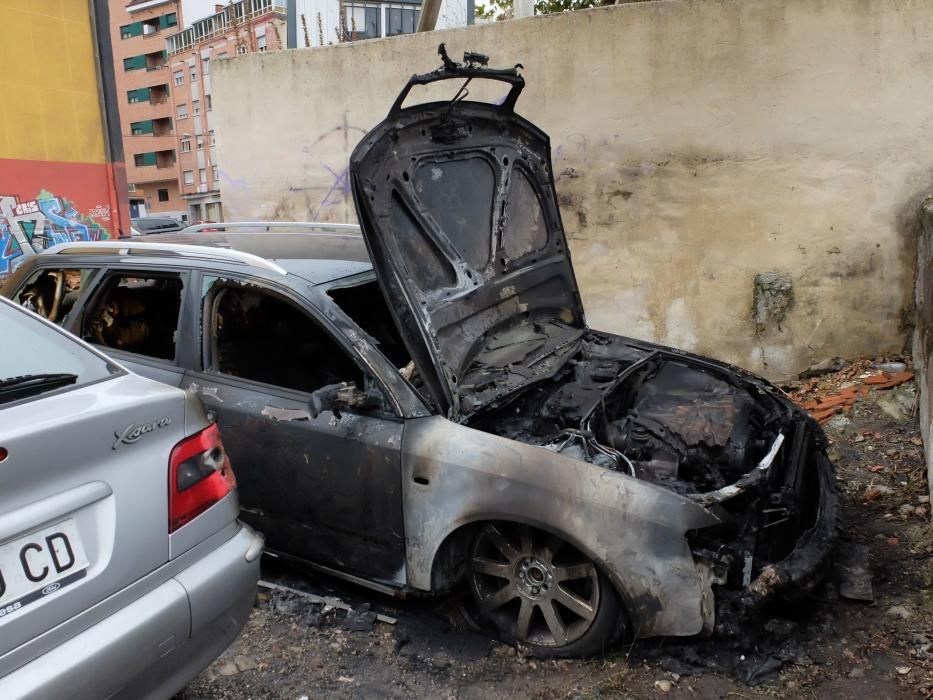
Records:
x=199, y=476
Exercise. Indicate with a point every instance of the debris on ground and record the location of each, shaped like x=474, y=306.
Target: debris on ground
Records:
x=827, y=394
x=854, y=573
x=833, y=364
x=330, y=603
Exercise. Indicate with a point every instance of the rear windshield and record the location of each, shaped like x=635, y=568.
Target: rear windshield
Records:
x=36, y=359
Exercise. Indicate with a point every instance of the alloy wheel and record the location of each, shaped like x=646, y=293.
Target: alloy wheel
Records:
x=533, y=586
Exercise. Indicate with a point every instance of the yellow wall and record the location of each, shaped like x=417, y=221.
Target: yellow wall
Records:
x=48, y=82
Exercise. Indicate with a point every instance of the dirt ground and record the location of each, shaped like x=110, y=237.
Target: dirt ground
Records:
x=827, y=646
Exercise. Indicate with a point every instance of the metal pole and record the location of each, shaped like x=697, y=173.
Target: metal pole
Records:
x=291, y=25
x=430, y=9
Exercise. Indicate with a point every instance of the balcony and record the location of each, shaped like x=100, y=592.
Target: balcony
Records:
x=234, y=15
x=140, y=79
x=162, y=127
x=151, y=166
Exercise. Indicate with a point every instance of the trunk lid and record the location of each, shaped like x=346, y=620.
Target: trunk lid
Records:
x=457, y=205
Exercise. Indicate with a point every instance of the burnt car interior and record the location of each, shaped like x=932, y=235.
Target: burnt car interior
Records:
x=53, y=293
x=258, y=335
x=366, y=305
x=137, y=314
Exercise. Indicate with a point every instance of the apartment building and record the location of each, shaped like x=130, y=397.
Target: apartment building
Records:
x=319, y=23
x=240, y=27
x=138, y=31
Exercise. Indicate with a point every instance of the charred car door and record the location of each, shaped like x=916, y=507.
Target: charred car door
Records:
x=326, y=487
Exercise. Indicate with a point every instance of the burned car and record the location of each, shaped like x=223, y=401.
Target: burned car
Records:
x=425, y=407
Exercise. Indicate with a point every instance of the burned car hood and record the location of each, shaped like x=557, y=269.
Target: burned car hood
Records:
x=457, y=204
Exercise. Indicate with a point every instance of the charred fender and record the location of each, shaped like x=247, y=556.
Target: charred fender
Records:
x=454, y=475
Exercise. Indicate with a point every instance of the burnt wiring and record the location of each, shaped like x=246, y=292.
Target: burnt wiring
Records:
x=589, y=444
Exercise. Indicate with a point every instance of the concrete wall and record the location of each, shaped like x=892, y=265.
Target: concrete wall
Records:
x=698, y=146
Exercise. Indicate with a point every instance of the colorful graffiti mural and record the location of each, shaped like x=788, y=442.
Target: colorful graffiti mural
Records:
x=29, y=226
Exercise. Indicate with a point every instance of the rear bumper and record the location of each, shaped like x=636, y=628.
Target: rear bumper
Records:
x=154, y=646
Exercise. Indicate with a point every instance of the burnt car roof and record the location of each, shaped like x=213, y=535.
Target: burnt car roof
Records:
x=318, y=258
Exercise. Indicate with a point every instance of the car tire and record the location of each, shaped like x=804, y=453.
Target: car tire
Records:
x=541, y=593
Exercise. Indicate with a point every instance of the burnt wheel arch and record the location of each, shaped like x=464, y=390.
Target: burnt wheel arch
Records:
x=450, y=565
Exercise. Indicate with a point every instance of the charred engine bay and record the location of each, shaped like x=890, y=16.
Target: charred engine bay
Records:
x=654, y=415
x=698, y=429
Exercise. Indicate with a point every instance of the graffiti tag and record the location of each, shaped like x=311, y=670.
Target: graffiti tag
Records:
x=29, y=226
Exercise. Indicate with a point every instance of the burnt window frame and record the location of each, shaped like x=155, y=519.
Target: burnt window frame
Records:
x=206, y=342
x=100, y=287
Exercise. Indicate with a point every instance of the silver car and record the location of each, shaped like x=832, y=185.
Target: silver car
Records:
x=123, y=569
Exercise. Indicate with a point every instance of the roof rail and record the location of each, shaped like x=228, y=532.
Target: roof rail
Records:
x=254, y=226
x=135, y=247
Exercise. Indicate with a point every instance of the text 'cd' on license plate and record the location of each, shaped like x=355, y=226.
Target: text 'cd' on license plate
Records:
x=37, y=565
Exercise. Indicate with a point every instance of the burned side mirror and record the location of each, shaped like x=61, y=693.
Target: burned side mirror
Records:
x=340, y=397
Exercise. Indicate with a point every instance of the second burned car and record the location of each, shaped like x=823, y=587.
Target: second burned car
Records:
x=432, y=410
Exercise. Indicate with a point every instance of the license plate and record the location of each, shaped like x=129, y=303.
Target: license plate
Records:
x=39, y=565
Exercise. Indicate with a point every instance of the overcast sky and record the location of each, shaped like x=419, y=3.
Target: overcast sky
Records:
x=193, y=10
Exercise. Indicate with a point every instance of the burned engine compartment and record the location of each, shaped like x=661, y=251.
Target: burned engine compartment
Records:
x=646, y=412
x=703, y=430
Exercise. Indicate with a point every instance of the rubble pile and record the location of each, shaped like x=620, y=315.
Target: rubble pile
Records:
x=832, y=388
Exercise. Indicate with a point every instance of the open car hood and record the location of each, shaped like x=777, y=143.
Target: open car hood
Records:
x=457, y=204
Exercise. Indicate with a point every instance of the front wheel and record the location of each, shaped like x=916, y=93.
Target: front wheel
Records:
x=543, y=593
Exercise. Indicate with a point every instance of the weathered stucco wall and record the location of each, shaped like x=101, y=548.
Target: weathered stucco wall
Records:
x=699, y=147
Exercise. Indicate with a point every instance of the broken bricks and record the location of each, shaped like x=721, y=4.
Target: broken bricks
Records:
x=826, y=405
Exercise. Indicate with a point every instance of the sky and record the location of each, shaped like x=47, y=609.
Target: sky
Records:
x=193, y=10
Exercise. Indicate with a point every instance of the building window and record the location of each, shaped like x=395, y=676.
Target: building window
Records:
x=140, y=128
x=213, y=137
x=163, y=195
x=128, y=31
x=194, y=74
x=181, y=112
x=216, y=174
x=179, y=78
x=203, y=173
x=241, y=49
x=196, y=108
x=189, y=177
x=401, y=20
x=205, y=66
x=140, y=95
x=169, y=20
x=209, y=101
x=131, y=187
x=200, y=142
x=364, y=22
x=186, y=145
x=261, y=42
x=141, y=159
x=134, y=63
